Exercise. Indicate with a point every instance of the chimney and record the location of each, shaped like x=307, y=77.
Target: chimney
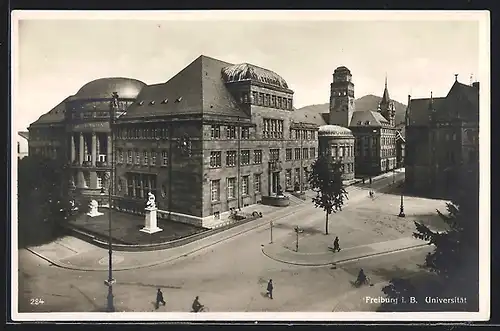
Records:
x=476, y=85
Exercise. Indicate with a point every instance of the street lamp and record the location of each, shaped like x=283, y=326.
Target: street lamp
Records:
x=110, y=281
x=271, y=228
x=401, y=207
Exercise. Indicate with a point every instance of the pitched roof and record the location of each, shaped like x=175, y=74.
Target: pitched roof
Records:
x=462, y=101
x=309, y=116
x=418, y=113
x=24, y=134
x=245, y=71
x=55, y=115
x=367, y=118
x=196, y=89
x=385, y=97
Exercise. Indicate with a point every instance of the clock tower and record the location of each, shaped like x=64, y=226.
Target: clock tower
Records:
x=341, y=97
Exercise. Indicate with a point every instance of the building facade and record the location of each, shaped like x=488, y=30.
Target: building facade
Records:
x=337, y=143
x=442, y=140
x=213, y=138
x=22, y=144
x=374, y=131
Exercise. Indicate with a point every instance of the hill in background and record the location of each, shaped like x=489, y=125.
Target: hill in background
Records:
x=367, y=102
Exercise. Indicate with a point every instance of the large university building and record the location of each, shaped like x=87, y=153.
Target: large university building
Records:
x=214, y=137
x=442, y=140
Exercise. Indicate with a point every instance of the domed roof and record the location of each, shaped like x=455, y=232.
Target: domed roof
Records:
x=127, y=88
x=245, y=71
x=333, y=130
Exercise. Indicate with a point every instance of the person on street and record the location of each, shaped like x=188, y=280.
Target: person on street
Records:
x=197, y=306
x=361, y=277
x=270, y=288
x=159, y=299
x=336, y=245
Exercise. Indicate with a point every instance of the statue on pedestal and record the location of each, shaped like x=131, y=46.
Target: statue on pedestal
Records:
x=93, y=205
x=151, y=204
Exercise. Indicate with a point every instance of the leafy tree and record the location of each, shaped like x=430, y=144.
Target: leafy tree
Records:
x=325, y=178
x=43, y=202
x=456, y=255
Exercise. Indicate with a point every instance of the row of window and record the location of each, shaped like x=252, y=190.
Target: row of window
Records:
x=388, y=140
x=142, y=133
x=138, y=185
x=342, y=151
x=274, y=155
x=215, y=187
x=231, y=132
x=268, y=100
x=273, y=128
x=147, y=158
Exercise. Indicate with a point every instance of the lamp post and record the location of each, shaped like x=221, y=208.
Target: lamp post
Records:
x=110, y=281
x=401, y=207
x=297, y=230
x=271, y=228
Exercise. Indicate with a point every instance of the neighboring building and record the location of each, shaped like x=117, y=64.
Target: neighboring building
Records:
x=22, y=144
x=215, y=137
x=400, y=147
x=442, y=140
x=337, y=143
x=374, y=131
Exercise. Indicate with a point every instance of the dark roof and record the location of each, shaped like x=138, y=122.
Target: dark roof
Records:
x=127, y=88
x=367, y=118
x=24, y=134
x=55, y=115
x=245, y=71
x=462, y=101
x=385, y=97
x=419, y=112
x=196, y=89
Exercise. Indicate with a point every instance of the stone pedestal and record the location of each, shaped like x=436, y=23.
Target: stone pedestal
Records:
x=151, y=222
x=93, y=212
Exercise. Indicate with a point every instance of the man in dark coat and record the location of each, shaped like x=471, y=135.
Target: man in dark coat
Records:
x=159, y=299
x=270, y=288
x=336, y=246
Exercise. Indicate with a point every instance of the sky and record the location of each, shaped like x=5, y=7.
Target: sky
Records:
x=57, y=55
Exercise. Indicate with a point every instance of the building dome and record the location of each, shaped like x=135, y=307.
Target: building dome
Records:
x=246, y=72
x=342, y=69
x=333, y=130
x=127, y=88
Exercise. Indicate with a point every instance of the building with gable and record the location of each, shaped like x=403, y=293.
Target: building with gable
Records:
x=213, y=138
x=442, y=140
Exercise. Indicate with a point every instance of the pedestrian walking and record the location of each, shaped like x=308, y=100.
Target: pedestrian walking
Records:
x=336, y=245
x=270, y=288
x=159, y=298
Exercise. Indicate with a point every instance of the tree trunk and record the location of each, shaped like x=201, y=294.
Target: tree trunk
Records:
x=326, y=224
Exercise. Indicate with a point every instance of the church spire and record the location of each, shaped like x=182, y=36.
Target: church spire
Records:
x=385, y=97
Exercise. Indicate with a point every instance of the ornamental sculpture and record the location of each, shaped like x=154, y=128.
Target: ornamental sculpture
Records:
x=151, y=204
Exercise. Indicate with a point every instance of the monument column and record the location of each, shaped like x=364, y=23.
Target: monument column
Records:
x=94, y=147
x=82, y=147
x=73, y=151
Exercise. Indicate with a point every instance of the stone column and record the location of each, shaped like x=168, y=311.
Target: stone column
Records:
x=109, y=150
x=94, y=148
x=82, y=148
x=73, y=151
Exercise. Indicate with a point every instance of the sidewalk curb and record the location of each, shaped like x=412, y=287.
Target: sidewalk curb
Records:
x=335, y=262
x=152, y=264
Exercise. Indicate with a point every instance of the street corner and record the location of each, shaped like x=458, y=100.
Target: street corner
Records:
x=279, y=253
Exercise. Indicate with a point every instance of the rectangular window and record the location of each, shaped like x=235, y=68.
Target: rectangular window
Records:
x=137, y=157
x=129, y=157
x=256, y=183
x=99, y=180
x=297, y=134
x=153, y=158
x=297, y=175
x=245, y=157
x=312, y=153
x=297, y=153
x=230, y=158
x=146, y=158
x=244, y=185
x=257, y=156
x=164, y=158
x=245, y=133
x=273, y=128
x=288, y=178
x=274, y=155
x=231, y=184
x=261, y=99
x=288, y=153
x=120, y=156
x=215, y=159
x=215, y=190
x=279, y=103
x=231, y=132
x=215, y=132
x=305, y=154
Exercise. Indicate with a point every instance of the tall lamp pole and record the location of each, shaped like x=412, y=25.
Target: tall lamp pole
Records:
x=402, y=207
x=110, y=281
